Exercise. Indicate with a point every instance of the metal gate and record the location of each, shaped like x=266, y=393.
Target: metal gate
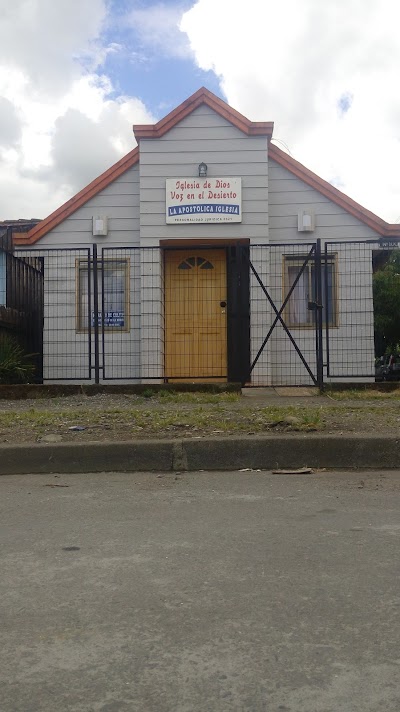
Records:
x=104, y=313
x=286, y=299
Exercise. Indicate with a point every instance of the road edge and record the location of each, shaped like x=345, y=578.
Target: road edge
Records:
x=264, y=453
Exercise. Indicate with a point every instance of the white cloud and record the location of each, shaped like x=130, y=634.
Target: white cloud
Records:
x=291, y=62
x=158, y=27
x=325, y=72
x=82, y=147
x=46, y=38
x=10, y=124
x=60, y=123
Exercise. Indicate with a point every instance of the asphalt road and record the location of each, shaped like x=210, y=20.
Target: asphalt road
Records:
x=239, y=592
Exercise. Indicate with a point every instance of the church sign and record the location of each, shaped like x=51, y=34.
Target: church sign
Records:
x=203, y=200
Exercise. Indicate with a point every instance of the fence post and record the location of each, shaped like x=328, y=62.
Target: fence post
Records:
x=96, y=316
x=318, y=315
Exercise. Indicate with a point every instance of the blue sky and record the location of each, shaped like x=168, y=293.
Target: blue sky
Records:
x=158, y=67
x=76, y=74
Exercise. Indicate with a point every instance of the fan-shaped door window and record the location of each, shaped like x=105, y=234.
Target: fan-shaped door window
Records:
x=191, y=262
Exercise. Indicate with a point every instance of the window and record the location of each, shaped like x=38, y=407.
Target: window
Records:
x=297, y=310
x=113, y=312
x=191, y=262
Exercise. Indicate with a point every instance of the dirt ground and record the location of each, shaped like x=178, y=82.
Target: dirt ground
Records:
x=195, y=415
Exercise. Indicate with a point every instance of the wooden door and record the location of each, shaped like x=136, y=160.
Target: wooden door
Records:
x=195, y=315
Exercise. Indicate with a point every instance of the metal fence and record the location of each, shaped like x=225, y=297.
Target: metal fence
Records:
x=21, y=310
x=274, y=314
x=349, y=343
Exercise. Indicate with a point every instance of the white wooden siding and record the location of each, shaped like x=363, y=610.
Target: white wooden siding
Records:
x=204, y=136
x=271, y=200
x=351, y=341
x=119, y=201
x=288, y=195
x=66, y=351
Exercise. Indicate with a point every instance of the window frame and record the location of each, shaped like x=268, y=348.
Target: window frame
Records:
x=81, y=265
x=298, y=261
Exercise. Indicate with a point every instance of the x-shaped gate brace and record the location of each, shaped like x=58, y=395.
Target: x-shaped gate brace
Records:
x=278, y=313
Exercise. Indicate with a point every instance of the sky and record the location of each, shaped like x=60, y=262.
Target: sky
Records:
x=76, y=74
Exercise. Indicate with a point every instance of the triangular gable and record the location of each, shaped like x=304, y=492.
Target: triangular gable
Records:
x=96, y=186
x=203, y=96
x=336, y=196
x=250, y=128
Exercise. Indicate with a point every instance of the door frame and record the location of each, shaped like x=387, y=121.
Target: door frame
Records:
x=238, y=299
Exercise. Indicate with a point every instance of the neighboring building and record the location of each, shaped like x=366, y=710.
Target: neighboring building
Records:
x=207, y=253
x=21, y=293
x=19, y=226
x=10, y=232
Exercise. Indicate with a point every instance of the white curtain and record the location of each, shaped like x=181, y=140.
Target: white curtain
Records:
x=114, y=290
x=298, y=301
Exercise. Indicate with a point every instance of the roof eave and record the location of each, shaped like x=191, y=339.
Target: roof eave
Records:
x=68, y=208
x=322, y=186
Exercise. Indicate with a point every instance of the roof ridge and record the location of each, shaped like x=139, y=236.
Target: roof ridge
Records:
x=203, y=96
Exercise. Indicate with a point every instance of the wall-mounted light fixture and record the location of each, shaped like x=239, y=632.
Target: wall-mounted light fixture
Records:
x=100, y=226
x=202, y=170
x=306, y=221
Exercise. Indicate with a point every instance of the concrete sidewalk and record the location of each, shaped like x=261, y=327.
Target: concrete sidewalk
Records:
x=235, y=453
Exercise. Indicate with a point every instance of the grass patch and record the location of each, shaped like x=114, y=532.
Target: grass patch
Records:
x=364, y=394
x=189, y=397
x=148, y=393
x=194, y=415
x=209, y=416
x=290, y=418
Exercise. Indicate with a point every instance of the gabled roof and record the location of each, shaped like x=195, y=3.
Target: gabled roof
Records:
x=63, y=212
x=203, y=96
x=336, y=196
x=250, y=128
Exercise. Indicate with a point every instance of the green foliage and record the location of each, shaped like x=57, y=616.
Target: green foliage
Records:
x=364, y=394
x=173, y=396
x=386, y=288
x=147, y=393
x=15, y=366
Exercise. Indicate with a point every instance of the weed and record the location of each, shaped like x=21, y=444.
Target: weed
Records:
x=166, y=395
x=14, y=362
x=291, y=418
x=365, y=394
x=198, y=397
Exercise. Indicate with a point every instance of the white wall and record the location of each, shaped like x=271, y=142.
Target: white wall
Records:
x=203, y=136
x=66, y=352
x=135, y=206
x=351, y=343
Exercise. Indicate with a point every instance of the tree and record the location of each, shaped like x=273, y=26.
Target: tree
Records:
x=386, y=290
